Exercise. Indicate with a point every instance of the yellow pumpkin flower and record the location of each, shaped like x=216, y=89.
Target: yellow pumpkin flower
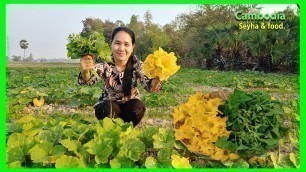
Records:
x=233, y=156
x=160, y=64
x=198, y=127
x=221, y=155
x=178, y=162
x=177, y=116
x=38, y=103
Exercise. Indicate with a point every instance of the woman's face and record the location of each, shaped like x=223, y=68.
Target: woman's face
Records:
x=122, y=47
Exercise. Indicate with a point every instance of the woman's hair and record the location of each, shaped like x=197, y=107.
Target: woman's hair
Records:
x=127, y=78
x=125, y=29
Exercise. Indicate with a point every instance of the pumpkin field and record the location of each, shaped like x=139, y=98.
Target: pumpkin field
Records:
x=50, y=121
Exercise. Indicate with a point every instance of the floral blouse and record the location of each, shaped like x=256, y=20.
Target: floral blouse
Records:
x=113, y=81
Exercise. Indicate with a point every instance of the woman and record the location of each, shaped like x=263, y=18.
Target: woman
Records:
x=120, y=96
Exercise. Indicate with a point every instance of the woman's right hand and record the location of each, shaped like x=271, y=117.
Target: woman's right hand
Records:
x=87, y=63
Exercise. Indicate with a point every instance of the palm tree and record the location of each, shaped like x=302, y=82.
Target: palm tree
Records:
x=258, y=43
x=24, y=45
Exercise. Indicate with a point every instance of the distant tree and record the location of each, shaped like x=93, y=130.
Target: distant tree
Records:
x=42, y=60
x=158, y=38
x=24, y=45
x=91, y=24
x=108, y=28
x=119, y=23
x=176, y=43
x=148, y=18
x=16, y=58
x=30, y=58
x=136, y=26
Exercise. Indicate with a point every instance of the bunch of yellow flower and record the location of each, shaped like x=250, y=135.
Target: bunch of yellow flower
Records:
x=160, y=64
x=197, y=125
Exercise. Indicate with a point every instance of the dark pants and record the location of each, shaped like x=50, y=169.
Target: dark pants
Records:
x=133, y=110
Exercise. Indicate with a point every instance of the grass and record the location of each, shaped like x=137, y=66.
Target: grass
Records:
x=40, y=64
x=59, y=82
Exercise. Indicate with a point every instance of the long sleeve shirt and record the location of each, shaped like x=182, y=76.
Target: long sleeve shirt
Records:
x=113, y=81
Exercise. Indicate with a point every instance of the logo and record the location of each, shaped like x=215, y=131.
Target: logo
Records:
x=255, y=21
x=258, y=16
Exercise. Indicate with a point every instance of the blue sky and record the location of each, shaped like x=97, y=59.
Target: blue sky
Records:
x=46, y=27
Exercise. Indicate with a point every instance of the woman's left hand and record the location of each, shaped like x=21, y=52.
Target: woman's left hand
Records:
x=155, y=84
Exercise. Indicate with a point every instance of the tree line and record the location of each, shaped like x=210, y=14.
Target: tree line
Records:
x=209, y=38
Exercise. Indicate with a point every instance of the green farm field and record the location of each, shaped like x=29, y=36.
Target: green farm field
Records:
x=65, y=123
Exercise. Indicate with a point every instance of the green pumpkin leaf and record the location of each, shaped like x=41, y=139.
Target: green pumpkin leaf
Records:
x=53, y=135
x=102, y=149
x=293, y=159
x=222, y=142
x=40, y=152
x=69, y=162
x=133, y=149
x=164, y=158
x=147, y=136
x=26, y=119
x=18, y=146
x=71, y=145
x=150, y=162
x=163, y=139
x=15, y=164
